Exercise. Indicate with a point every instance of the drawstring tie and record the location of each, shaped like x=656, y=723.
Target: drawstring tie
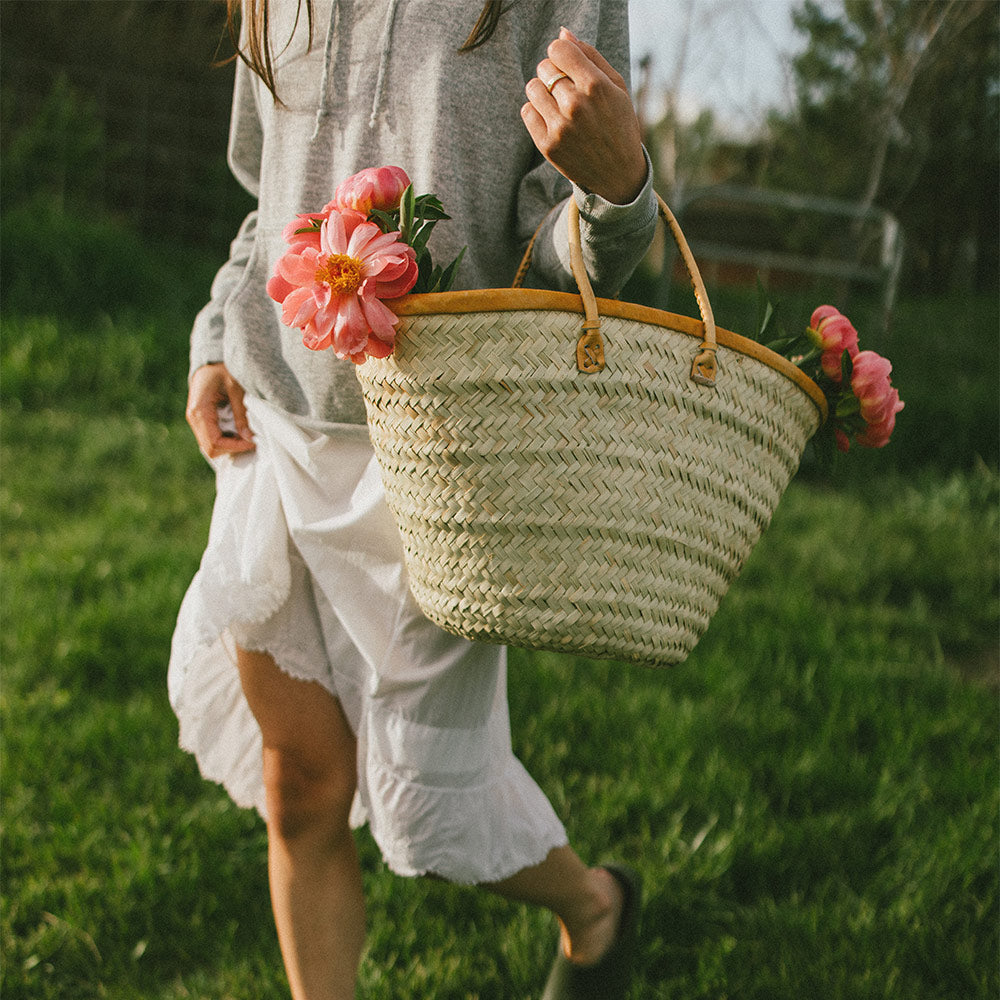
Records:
x=331, y=29
x=323, y=110
x=383, y=62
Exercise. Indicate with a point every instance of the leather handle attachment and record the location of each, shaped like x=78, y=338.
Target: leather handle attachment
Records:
x=590, y=345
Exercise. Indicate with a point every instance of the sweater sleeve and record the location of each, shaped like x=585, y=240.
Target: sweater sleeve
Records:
x=209, y=325
x=245, y=142
x=614, y=238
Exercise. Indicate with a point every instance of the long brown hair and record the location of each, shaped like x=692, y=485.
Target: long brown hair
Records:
x=257, y=54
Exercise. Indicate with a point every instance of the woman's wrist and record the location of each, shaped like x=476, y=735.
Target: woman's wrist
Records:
x=636, y=196
x=628, y=183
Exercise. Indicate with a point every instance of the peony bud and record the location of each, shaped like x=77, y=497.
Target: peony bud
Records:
x=833, y=333
x=377, y=188
x=878, y=400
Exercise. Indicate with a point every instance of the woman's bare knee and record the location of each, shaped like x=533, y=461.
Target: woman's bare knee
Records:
x=310, y=752
x=308, y=797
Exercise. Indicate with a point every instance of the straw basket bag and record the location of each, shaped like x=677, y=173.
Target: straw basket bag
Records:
x=591, y=492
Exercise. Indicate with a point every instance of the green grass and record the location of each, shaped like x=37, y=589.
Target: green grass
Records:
x=812, y=798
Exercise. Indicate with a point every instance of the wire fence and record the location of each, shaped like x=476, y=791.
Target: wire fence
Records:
x=158, y=160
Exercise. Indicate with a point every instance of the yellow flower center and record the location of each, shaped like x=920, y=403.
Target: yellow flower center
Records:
x=341, y=272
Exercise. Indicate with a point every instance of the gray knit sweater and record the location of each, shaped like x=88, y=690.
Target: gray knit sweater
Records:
x=383, y=82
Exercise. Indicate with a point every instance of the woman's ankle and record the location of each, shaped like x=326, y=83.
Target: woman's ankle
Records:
x=592, y=928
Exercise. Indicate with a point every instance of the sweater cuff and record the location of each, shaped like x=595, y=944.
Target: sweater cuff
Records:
x=613, y=219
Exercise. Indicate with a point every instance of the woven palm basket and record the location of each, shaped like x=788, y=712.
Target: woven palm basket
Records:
x=591, y=492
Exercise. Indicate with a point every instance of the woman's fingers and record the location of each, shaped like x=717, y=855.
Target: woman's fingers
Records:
x=565, y=35
x=212, y=388
x=580, y=116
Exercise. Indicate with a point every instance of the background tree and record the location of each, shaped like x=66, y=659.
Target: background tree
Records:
x=897, y=107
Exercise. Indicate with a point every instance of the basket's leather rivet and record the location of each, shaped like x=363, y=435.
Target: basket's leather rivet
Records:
x=590, y=351
x=703, y=370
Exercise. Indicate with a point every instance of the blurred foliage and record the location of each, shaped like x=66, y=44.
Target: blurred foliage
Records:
x=55, y=154
x=62, y=250
x=897, y=105
x=123, y=112
x=85, y=266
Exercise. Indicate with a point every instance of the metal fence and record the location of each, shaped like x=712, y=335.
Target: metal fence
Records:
x=740, y=233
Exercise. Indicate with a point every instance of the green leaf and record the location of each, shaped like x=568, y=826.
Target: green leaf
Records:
x=765, y=311
x=425, y=267
x=388, y=222
x=406, y=210
x=847, y=405
x=448, y=275
x=429, y=207
x=846, y=368
x=421, y=236
x=798, y=346
x=782, y=346
x=768, y=324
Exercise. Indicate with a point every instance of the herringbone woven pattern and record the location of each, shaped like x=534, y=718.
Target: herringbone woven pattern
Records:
x=602, y=514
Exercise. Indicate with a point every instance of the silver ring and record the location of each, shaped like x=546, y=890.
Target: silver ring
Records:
x=548, y=86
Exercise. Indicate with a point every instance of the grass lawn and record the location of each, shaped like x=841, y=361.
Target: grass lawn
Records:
x=812, y=797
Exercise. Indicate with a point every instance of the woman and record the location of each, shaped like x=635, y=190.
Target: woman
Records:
x=303, y=675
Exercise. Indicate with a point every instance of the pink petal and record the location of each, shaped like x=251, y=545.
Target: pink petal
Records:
x=373, y=187
x=367, y=240
x=837, y=331
x=325, y=319
x=315, y=339
x=278, y=288
x=333, y=235
x=875, y=436
x=399, y=286
x=378, y=348
x=296, y=269
x=299, y=307
x=296, y=239
x=821, y=313
x=380, y=319
x=350, y=332
x=870, y=366
x=830, y=363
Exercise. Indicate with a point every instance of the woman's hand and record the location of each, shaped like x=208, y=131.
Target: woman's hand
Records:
x=581, y=118
x=213, y=387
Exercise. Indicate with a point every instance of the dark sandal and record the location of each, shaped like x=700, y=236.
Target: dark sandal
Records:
x=609, y=978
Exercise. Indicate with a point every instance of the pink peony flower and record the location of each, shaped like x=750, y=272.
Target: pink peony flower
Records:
x=331, y=287
x=377, y=188
x=833, y=333
x=878, y=400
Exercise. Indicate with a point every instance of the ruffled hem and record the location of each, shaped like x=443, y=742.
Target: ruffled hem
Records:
x=215, y=723
x=468, y=836
x=318, y=582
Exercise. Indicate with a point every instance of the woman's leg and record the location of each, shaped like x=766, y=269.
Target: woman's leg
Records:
x=309, y=778
x=587, y=901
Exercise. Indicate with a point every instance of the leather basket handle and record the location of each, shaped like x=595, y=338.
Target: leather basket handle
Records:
x=590, y=346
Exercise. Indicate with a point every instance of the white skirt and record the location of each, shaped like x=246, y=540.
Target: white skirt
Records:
x=305, y=562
